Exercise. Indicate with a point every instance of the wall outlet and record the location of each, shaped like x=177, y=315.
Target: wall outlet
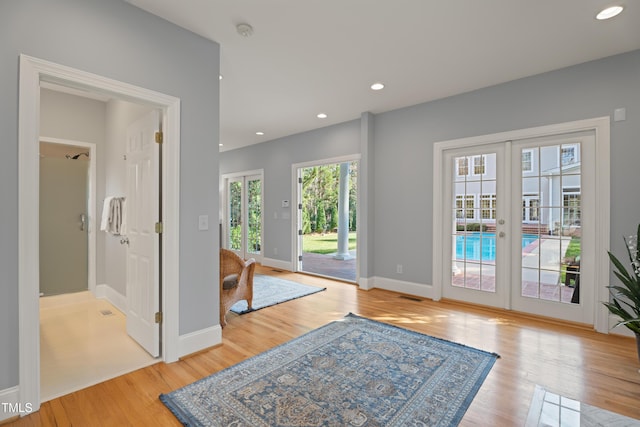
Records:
x=399, y=268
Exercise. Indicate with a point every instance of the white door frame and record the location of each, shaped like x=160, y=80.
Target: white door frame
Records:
x=32, y=72
x=601, y=128
x=224, y=208
x=297, y=223
x=91, y=206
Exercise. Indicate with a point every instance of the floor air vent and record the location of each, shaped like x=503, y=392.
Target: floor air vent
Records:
x=106, y=312
x=411, y=298
x=277, y=271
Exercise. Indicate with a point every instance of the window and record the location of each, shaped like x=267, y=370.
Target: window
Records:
x=488, y=206
x=527, y=160
x=530, y=207
x=568, y=154
x=465, y=205
x=463, y=166
x=478, y=165
x=571, y=207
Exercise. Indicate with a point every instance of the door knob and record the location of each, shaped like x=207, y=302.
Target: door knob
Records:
x=501, y=234
x=124, y=241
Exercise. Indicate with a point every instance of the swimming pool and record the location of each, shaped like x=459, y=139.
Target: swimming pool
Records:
x=482, y=246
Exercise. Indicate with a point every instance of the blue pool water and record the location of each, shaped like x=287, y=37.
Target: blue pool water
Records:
x=482, y=246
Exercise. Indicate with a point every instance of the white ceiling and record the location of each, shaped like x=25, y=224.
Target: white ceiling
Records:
x=307, y=57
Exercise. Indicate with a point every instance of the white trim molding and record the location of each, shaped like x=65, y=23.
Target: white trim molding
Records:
x=199, y=340
x=11, y=406
x=276, y=263
x=118, y=300
x=409, y=288
x=32, y=72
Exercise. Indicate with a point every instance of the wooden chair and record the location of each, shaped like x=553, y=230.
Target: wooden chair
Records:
x=236, y=281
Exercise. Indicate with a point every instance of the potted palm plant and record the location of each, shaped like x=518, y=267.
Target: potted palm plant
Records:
x=625, y=298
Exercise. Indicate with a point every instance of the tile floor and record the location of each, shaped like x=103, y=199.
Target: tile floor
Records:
x=83, y=341
x=552, y=410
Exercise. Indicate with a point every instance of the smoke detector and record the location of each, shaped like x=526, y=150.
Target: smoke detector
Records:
x=245, y=30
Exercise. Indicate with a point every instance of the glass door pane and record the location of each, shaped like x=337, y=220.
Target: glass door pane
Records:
x=234, y=226
x=254, y=215
x=551, y=229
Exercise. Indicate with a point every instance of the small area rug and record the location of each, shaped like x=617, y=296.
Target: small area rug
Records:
x=269, y=290
x=353, y=372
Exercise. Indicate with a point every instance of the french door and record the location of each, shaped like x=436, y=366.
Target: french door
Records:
x=243, y=231
x=519, y=225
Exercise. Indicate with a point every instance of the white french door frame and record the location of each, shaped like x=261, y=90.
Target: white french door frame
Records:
x=572, y=312
x=32, y=72
x=296, y=189
x=501, y=296
x=224, y=198
x=601, y=129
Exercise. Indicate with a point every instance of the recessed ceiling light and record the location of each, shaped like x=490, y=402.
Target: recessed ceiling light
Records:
x=609, y=12
x=322, y=116
x=259, y=133
x=377, y=86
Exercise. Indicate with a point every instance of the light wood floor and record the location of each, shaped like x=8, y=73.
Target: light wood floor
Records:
x=597, y=369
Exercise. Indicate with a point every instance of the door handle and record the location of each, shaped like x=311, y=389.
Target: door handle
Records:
x=83, y=222
x=124, y=241
x=501, y=234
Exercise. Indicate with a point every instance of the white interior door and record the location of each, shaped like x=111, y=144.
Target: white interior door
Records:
x=142, y=204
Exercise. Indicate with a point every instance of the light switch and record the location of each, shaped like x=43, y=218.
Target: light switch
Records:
x=619, y=114
x=203, y=222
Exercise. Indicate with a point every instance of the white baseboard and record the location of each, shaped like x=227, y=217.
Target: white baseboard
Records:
x=11, y=407
x=199, y=340
x=276, y=263
x=618, y=330
x=410, y=288
x=365, y=283
x=105, y=291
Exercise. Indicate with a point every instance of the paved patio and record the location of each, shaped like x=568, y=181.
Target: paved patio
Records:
x=326, y=265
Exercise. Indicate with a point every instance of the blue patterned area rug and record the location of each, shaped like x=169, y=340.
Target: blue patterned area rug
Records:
x=269, y=290
x=353, y=372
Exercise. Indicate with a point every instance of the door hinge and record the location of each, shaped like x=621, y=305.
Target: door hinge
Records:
x=159, y=137
x=300, y=258
x=159, y=227
x=299, y=180
x=300, y=206
x=158, y=317
x=299, y=232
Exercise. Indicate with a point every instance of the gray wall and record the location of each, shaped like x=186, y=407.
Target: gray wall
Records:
x=401, y=154
x=116, y=40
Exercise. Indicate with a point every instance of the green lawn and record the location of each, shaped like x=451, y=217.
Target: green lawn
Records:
x=325, y=244
x=572, y=251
